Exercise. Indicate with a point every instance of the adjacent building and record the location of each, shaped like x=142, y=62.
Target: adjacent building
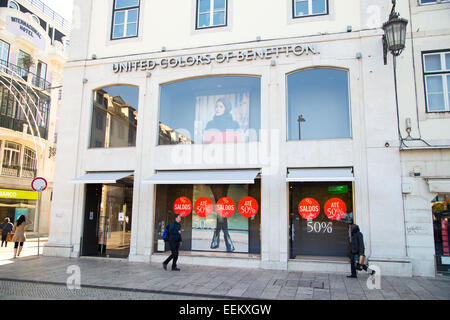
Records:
x=268, y=126
x=33, y=43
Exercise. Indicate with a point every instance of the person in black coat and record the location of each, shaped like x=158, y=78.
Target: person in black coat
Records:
x=357, y=249
x=175, y=242
x=222, y=120
x=6, y=228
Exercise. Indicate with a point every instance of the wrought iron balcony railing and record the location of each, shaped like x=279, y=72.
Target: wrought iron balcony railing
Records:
x=20, y=73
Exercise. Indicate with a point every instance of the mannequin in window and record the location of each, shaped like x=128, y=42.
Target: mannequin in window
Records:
x=222, y=128
x=220, y=191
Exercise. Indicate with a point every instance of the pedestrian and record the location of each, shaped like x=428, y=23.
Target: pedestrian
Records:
x=6, y=228
x=357, y=249
x=19, y=234
x=175, y=242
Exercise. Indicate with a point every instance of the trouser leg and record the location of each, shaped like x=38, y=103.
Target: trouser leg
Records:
x=353, y=260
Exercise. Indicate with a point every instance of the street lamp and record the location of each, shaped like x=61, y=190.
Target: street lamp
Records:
x=394, y=37
x=300, y=119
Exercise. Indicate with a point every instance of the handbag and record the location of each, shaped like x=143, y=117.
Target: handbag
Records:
x=9, y=237
x=361, y=262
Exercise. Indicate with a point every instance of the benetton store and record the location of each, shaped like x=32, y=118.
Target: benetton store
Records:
x=267, y=150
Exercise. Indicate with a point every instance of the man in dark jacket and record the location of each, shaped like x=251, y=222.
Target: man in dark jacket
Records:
x=357, y=247
x=175, y=241
x=6, y=227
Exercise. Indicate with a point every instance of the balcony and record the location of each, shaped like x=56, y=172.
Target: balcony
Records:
x=22, y=74
x=14, y=171
x=18, y=125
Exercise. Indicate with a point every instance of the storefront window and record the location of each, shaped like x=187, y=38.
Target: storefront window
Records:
x=210, y=110
x=320, y=214
x=318, y=104
x=114, y=118
x=14, y=203
x=441, y=219
x=216, y=218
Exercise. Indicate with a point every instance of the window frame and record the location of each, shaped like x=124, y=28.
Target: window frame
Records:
x=443, y=73
x=294, y=16
x=211, y=16
x=126, y=10
x=9, y=51
x=15, y=3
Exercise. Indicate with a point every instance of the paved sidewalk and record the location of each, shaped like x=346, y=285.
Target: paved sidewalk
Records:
x=214, y=282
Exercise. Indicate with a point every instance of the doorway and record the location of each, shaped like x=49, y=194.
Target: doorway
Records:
x=107, y=226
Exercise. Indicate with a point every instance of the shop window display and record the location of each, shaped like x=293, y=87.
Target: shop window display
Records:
x=216, y=218
x=320, y=214
x=441, y=215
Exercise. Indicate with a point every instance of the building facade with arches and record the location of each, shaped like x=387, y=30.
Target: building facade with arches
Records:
x=268, y=128
x=33, y=41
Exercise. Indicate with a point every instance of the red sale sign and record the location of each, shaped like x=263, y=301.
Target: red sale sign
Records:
x=335, y=209
x=248, y=207
x=182, y=206
x=225, y=207
x=309, y=208
x=203, y=207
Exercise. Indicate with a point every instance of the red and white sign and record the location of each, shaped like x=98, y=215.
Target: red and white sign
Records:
x=335, y=209
x=182, y=206
x=248, y=207
x=444, y=232
x=309, y=208
x=225, y=207
x=39, y=184
x=203, y=207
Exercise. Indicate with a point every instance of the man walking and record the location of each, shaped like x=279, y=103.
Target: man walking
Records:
x=357, y=247
x=6, y=227
x=175, y=241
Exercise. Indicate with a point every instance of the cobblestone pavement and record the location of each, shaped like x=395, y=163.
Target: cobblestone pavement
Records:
x=149, y=281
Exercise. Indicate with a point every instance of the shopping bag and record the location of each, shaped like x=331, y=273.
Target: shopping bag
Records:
x=9, y=237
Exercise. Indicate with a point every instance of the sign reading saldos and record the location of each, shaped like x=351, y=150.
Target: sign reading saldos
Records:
x=221, y=57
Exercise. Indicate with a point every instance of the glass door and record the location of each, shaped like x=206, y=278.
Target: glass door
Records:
x=441, y=220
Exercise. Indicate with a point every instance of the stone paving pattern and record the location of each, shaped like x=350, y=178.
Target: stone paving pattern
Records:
x=216, y=282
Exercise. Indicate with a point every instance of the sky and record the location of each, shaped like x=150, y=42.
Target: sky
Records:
x=63, y=7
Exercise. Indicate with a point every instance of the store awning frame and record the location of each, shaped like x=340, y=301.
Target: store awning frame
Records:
x=101, y=177
x=239, y=176
x=320, y=175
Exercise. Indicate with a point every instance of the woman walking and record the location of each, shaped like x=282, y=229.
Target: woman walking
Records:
x=19, y=234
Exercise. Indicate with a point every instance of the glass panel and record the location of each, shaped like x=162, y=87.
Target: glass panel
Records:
x=319, y=216
x=427, y=1
x=204, y=6
x=210, y=110
x=132, y=16
x=311, y=95
x=434, y=84
x=219, y=18
x=119, y=109
x=319, y=6
x=301, y=8
x=13, y=5
x=441, y=220
x=119, y=17
x=120, y=4
x=219, y=4
x=131, y=29
x=4, y=52
x=118, y=31
x=447, y=61
x=215, y=218
x=203, y=20
x=448, y=91
x=433, y=62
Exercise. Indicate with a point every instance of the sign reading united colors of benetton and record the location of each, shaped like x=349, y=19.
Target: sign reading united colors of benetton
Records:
x=221, y=57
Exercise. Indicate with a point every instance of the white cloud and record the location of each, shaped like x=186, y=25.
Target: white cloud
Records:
x=62, y=7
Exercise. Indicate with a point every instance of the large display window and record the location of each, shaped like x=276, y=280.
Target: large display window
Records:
x=320, y=214
x=441, y=215
x=220, y=109
x=215, y=218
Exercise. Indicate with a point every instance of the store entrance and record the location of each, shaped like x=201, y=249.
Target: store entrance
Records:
x=107, y=220
x=441, y=217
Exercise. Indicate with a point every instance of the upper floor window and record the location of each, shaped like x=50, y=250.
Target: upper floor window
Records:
x=432, y=1
x=305, y=8
x=4, y=53
x=125, y=19
x=436, y=70
x=219, y=109
x=13, y=5
x=35, y=18
x=318, y=104
x=114, y=118
x=211, y=13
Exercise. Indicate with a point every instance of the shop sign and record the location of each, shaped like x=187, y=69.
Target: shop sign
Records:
x=225, y=207
x=22, y=28
x=182, y=206
x=18, y=194
x=309, y=208
x=203, y=207
x=248, y=207
x=335, y=209
x=337, y=189
x=220, y=57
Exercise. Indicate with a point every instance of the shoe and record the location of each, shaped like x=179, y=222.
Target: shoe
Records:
x=164, y=266
x=351, y=276
x=175, y=269
x=372, y=273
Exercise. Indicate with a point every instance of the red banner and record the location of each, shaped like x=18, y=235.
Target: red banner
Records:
x=182, y=206
x=309, y=208
x=225, y=207
x=203, y=207
x=248, y=207
x=335, y=209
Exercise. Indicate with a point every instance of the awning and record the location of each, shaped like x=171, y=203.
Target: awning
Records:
x=438, y=185
x=102, y=177
x=204, y=177
x=320, y=174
